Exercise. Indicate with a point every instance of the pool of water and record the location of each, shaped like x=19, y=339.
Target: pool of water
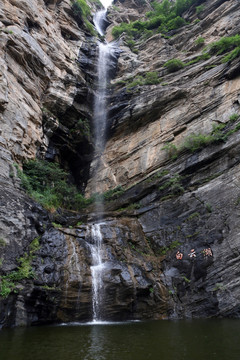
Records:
x=154, y=340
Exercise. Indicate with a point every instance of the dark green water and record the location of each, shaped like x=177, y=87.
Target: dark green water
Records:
x=158, y=340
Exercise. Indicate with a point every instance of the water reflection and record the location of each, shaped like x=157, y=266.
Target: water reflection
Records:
x=97, y=344
x=159, y=340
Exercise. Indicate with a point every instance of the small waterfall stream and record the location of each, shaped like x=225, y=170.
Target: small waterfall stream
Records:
x=99, y=19
x=97, y=269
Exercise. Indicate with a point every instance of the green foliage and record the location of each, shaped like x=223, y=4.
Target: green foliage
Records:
x=57, y=226
x=197, y=141
x=171, y=150
x=6, y=287
x=158, y=175
x=234, y=117
x=165, y=249
x=193, y=216
x=200, y=41
x=219, y=286
x=203, y=56
x=2, y=242
x=139, y=80
x=48, y=184
x=232, y=55
x=151, y=78
x=81, y=8
x=9, y=282
x=164, y=17
x=130, y=207
x=186, y=279
x=208, y=207
x=6, y=31
x=175, y=23
x=113, y=193
x=82, y=127
x=199, y=9
x=131, y=44
x=225, y=44
x=35, y=245
x=174, y=65
x=173, y=185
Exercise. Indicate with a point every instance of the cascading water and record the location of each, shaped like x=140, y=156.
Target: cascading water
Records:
x=97, y=269
x=99, y=20
x=106, y=52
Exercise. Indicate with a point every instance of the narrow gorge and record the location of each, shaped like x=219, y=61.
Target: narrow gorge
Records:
x=120, y=156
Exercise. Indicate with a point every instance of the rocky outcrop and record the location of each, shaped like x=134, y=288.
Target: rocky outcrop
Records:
x=190, y=100
x=44, y=94
x=59, y=286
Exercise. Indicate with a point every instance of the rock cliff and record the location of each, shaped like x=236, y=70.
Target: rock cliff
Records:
x=172, y=148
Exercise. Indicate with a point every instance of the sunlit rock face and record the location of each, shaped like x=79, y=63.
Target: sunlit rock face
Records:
x=188, y=101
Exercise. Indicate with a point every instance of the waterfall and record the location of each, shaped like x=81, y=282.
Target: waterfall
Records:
x=99, y=19
x=97, y=269
x=107, y=57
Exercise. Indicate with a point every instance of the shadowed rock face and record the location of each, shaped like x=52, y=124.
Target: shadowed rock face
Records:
x=60, y=287
x=46, y=85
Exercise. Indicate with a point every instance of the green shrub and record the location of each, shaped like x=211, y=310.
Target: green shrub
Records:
x=171, y=150
x=197, y=141
x=164, y=17
x=81, y=9
x=233, y=117
x=173, y=185
x=200, y=41
x=174, y=65
x=175, y=23
x=139, y=80
x=151, y=78
x=24, y=271
x=204, y=56
x=199, y=9
x=113, y=193
x=232, y=55
x=48, y=184
x=225, y=44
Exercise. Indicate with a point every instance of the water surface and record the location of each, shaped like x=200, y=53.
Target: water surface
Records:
x=155, y=340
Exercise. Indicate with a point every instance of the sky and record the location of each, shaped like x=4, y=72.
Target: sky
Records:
x=106, y=3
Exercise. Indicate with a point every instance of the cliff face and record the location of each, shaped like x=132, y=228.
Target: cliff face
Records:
x=188, y=101
x=179, y=193
x=43, y=90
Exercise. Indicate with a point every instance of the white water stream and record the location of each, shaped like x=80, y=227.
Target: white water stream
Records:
x=97, y=269
x=105, y=53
